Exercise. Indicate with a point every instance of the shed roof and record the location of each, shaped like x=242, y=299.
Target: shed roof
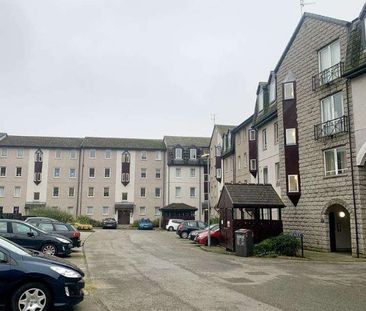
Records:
x=178, y=207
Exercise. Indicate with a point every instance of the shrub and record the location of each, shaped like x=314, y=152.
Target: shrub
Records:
x=83, y=226
x=135, y=224
x=52, y=213
x=156, y=223
x=86, y=220
x=214, y=220
x=284, y=244
x=264, y=248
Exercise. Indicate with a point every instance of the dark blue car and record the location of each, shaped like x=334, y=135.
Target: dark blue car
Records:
x=145, y=224
x=31, y=280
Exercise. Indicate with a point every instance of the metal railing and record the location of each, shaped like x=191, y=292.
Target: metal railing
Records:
x=328, y=75
x=331, y=128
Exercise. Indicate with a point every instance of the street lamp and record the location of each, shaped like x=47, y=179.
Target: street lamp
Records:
x=207, y=156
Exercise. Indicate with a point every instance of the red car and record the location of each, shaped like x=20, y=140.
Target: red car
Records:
x=202, y=238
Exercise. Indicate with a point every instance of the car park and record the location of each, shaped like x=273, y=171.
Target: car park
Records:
x=173, y=224
x=109, y=223
x=192, y=235
x=31, y=237
x=66, y=230
x=202, y=238
x=145, y=224
x=188, y=226
x=30, y=280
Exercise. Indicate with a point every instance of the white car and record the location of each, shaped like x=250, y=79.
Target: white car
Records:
x=173, y=224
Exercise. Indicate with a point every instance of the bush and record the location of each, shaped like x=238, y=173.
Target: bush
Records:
x=83, y=226
x=284, y=244
x=156, y=223
x=86, y=220
x=52, y=213
x=135, y=224
x=214, y=220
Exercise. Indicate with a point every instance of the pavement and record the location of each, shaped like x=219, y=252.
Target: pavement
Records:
x=155, y=270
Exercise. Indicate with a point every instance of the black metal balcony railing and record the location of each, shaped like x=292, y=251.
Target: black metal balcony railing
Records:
x=331, y=128
x=328, y=75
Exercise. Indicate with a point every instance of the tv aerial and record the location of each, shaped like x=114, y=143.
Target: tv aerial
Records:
x=303, y=4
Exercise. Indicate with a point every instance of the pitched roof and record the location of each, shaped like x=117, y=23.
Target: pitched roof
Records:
x=187, y=141
x=178, y=207
x=241, y=125
x=41, y=142
x=221, y=130
x=253, y=195
x=123, y=143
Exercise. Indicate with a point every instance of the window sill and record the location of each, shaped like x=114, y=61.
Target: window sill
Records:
x=335, y=176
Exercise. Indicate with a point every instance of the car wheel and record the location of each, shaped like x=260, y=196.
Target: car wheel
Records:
x=31, y=296
x=171, y=228
x=49, y=249
x=184, y=235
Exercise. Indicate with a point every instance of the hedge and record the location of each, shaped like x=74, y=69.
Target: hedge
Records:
x=284, y=244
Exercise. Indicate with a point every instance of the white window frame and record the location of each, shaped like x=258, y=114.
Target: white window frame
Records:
x=73, y=154
x=103, y=210
x=331, y=98
x=16, y=171
x=157, y=211
x=337, y=171
x=178, y=169
x=253, y=164
x=252, y=135
x=193, y=154
x=17, y=195
x=2, y=192
x=239, y=162
x=143, y=155
x=20, y=153
x=288, y=93
x=264, y=139
x=265, y=169
x=194, y=192
x=70, y=174
x=143, y=196
x=289, y=183
x=107, y=169
x=275, y=132
x=4, y=152
x=34, y=196
x=289, y=133
x=178, y=153
x=92, y=154
x=90, y=210
x=218, y=173
x=158, y=155
x=158, y=196
x=272, y=90
x=123, y=200
x=73, y=192
x=178, y=195
x=53, y=192
x=143, y=173
x=94, y=172
x=58, y=154
x=104, y=192
x=1, y=169
x=91, y=193
x=260, y=101
x=142, y=210
x=157, y=172
x=57, y=169
x=277, y=173
x=245, y=159
x=329, y=50
x=192, y=170
x=108, y=154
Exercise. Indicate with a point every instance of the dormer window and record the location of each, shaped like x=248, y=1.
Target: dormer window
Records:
x=178, y=153
x=260, y=100
x=218, y=151
x=288, y=90
x=229, y=141
x=251, y=135
x=272, y=90
x=193, y=154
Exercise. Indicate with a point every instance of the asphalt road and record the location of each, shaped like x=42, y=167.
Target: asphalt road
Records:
x=140, y=270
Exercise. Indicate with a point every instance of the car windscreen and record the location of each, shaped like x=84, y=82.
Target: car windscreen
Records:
x=15, y=248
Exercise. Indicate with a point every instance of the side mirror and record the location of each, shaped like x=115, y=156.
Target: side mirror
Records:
x=30, y=234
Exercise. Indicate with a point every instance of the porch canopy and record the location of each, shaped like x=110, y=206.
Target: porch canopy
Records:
x=124, y=206
x=249, y=206
x=177, y=211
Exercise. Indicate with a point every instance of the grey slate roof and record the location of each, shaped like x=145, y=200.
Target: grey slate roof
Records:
x=178, y=207
x=187, y=141
x=40, y=141
x=253, y=195
x=123, y=143
x=244, y=123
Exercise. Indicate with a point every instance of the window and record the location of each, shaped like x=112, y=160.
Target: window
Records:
x=71, y=192
x=4, y=152
x=107, y=172
x=91, y=172
x=17, y=192
x=275, y=130
x=70, y=209
x=260, y=100
x=92, y=153
x=335, y=161
x=2, y=171
x=72, y=173
x=143, y=173
x=264, y=139
x=55, y=192
x=272, y=90
x=288, y=90
x=193, y=154
x=218, y=151
x=331, y=110
x=143, y=192
x=61, y=227
x=277, y=173
x=125, y=157
x=251, y=135
x=158, y=155
x=218, y=173
x=90, y=191
x=157, y=211
x=36, y=196
x=157, y=192
x=72, y=154
x=58, y=154
x=124, y=196
x=192, y=192
x=239, y=162
x=56, y=172
x=253, y=164
x=143, y=155
x=125, y=177
x=290, y=137
x=105, y=210
x=108, y=154
x=329, y=56
x=2, y=191
x=193, y=172
x=293, y=183
x=20, y=153
x=142, y=210
x=90, y=210
x=245, y=160
x=265, y=175
x=178, y=153
x=178, y=192
x=106, y=192
x=157, y=173
x=178, y=172
x=16, y=211
x=18, y=171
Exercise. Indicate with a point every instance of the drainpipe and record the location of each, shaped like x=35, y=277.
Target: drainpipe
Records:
x=352, y=170
x=80, y=184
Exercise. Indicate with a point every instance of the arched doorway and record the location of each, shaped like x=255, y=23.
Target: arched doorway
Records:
x=339, y=229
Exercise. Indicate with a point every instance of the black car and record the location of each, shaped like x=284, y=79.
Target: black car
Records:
x=60, y=228
x=189, y=225
x=31, y=237
x=30, y=280
x=109, y=223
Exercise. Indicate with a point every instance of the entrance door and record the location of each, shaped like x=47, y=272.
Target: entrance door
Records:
x=339, y=229
x=124, y=217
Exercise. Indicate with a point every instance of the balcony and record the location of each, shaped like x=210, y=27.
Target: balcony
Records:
x=330, y=128
x=328, y=75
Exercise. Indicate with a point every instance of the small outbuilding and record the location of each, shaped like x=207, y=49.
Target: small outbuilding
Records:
x=249, y=206
x=176, y=211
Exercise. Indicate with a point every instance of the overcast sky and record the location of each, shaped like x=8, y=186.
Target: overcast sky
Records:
x=140, y=68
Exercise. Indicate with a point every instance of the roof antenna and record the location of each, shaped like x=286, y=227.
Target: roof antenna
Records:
x=303, y=3
x=213, y=118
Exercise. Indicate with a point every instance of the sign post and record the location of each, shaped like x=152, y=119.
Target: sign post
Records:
x=298, y=234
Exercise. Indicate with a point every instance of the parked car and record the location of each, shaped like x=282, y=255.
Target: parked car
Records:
x=30, y=280
x=31, y=237
x=188, y=226
x=173, y=224
x=61, y=228
x=145, y=224
x=192, y=235
x=31, y=220
x=109, y=223
x=202, y=238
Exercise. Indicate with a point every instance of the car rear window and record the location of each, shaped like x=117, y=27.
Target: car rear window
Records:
x=61, y=227
x=45, y=226
x=3, y=227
